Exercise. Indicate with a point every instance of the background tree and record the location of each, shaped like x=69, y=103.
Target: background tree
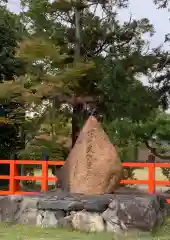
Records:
x=10, y=68
x=116, y=49
x=10, y=34
x=103, y=80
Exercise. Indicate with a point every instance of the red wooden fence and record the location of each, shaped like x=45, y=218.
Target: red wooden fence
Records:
x=14, y=177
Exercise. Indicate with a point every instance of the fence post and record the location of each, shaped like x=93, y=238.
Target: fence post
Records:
x=12, y=181
x=151, y=178
x=44, y=183
x=17, y=172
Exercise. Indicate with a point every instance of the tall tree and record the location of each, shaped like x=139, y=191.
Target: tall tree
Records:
x=10, y=34
x=117, y=50
x=10, y=68
x=161, y=3
x=160, y=79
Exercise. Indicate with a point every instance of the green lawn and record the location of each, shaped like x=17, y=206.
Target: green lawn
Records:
x=33, y=233
x=19, y=232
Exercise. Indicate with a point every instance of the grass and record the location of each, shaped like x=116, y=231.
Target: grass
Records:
x=18, y=232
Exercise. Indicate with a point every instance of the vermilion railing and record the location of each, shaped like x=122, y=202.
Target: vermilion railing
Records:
x=151, y=182
x=14, y=178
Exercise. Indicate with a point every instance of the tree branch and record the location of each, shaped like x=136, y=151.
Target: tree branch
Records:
x=153, y=150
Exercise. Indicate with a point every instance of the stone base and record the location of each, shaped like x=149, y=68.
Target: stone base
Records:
x=109, y=212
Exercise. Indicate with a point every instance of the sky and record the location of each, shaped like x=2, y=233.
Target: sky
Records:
x=138, y=9
x=158, y=17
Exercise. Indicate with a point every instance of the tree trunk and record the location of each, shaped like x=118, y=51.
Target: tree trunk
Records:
x=136, y=151
x=77, y=34
x=77, y=108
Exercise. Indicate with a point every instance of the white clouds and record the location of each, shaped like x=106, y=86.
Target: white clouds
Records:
x=158, y=17
x=138, y=9
x=14, y=5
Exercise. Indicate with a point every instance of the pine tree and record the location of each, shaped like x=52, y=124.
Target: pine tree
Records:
x=10, y=67
x=116, y=50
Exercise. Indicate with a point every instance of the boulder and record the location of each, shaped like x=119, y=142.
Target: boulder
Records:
x=118, y=213
x=46, y=219
x=135, y=212
x=66, y=205
x=8, y=209
x=27, y=211
x=27, y=217
x=93, y=166
x=89, y=222
x=65, y=222
x=96, y=205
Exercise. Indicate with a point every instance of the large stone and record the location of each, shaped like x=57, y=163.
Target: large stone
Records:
x=8, y=209
x=134, y=212
x=93, y=166
x=27, y=212
x=66, y=205
x=27, y=217
x=89, y=222
x=118, y=213
x=96, y=204
x=65, y=222
x=47, y=219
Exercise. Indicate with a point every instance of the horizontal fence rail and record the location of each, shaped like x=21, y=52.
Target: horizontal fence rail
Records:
x=14, y=178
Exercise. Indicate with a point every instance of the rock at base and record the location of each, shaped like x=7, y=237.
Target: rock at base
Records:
x=27, y=217
x=92, y=166
x=65, y=222
x=47, y=219
x=89, y=222
x=119, y=213
x=8, y=209
x=66, y=205
x=134, y=212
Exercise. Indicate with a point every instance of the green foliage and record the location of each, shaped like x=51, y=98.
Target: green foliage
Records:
x=46, y=132
x=36, y=148
x=10, y=34
x=122, y=137
x=10, y=67
x=166, y=173
x=161, y=3
x=128, y=136
x=9, y=140
x=45, y=78
x=112, y=59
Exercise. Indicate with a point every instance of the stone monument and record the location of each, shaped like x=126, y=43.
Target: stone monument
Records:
x=93, y=166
